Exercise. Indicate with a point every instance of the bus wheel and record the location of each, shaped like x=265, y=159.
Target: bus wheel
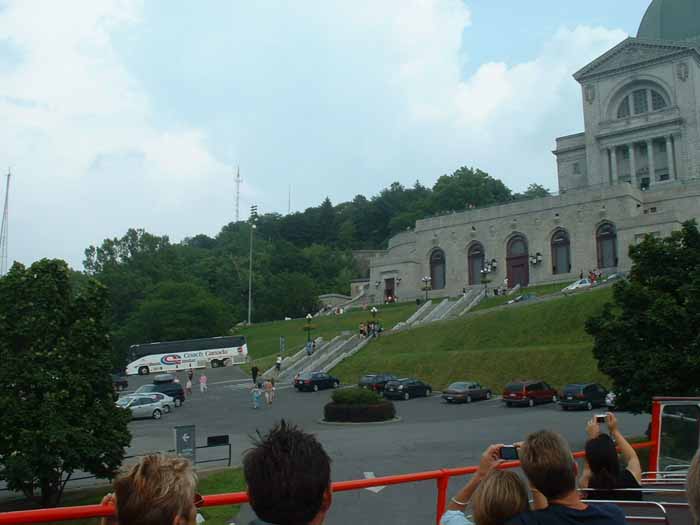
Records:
x=143, y=371
x=215, y=364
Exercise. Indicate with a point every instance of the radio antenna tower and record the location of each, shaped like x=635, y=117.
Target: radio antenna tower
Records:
x=4, y=227
x=238, y=192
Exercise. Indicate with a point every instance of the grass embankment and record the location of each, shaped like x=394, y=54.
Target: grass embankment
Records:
x=264, y=338
x=497, y=300
x=213, y=482
x=539, y=341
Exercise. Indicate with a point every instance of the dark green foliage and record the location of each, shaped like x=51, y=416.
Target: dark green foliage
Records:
x=56, y=398
x=355, y=396
x=648, y=339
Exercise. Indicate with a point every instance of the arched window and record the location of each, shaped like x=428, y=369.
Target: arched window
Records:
x=641, y=101
x=606, y=243
x=561, y=252
x=437, y=269
x=475, y=259
x=517, y=247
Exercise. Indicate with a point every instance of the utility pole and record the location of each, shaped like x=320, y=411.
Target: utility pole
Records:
x=4, y=227
x=238, y=192
x=252, y=219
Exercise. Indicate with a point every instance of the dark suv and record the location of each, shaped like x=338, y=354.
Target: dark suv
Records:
x=530, y=393
x=582, y=395
x=165, y=384
x=376, y=382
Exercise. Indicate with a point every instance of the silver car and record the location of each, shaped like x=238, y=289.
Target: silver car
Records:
x=142, y=406
x=168, y=402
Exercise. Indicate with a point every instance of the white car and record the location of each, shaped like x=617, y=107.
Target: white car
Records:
x=168, y=402
x=578, y=285
x=142, y=406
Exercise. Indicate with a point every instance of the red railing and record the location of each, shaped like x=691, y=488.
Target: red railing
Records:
x=442, y=477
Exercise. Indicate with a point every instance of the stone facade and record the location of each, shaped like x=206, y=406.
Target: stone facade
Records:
x=635, y=170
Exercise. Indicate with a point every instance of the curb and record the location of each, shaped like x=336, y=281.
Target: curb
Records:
x=322, y=421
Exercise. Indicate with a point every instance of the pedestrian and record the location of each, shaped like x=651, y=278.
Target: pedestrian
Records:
x=190, y=373
x=255, y=371
x=188, y=387
x=278, y=364
x=177, y=379
x=313, y=347
x=580, y=275
x=309, y=348
x=256, y=393
x=203, y=382
x=274, y=388
x=268, y=392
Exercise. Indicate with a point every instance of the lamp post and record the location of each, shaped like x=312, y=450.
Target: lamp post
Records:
x=426, y=286
x=253, y=217
x=374, y=312
x=489, y=266
x=308, y=327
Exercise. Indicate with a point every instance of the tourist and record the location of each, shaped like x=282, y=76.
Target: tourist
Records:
x=155, y=491
x=188, y=387
x=550, y=467
x=274, y=388
x=254, y=372
x=190, y=373
x=602, y=470
x=496, y=496
x=203, y=382
x=278, y=364
x=256, y=393
x=288, y=475
x=267, y=386
x=693, y=487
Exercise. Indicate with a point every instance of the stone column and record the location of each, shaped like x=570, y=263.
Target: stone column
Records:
x=633, y=165
x=613, y=164
x=671, y=160
x=652, y=164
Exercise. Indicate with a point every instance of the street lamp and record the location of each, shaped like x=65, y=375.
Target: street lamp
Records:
x=308, y=327
x=253, y=218
x=426, y=286
x=489, y=266
x=374, y=312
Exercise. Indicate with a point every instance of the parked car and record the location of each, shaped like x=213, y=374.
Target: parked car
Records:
x=610, y=400
x=582, y=395
x=168, y=402
x=523, y=298
x=578, y=285
x=164, y=384
x=120, y=382
x=527, y=392
x=407, y=388
x=376, y=382
x=142, y=406
x=465, y=392
x=315, y=381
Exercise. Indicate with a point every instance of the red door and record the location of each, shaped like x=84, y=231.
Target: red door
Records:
x=518, y=271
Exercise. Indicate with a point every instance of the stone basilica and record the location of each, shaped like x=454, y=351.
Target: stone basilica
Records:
x=634, y=171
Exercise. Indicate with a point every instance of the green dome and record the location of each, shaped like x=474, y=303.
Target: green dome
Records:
x=675, y=20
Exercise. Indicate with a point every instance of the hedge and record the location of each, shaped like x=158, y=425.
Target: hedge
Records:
x=359, y=413
x=355, y=396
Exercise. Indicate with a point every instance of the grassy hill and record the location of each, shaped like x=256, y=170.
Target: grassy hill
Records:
x=263, y=338
x=540, y=341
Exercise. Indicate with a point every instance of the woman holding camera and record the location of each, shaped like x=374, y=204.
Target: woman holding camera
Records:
x=496, y=495
x=602, y=470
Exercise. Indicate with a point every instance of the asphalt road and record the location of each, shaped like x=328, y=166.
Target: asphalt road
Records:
x=430, y=435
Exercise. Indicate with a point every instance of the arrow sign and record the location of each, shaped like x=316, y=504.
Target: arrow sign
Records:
x=376, y=490
x=186, y=438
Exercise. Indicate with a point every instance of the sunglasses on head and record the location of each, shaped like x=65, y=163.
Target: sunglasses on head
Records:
x=198, y=500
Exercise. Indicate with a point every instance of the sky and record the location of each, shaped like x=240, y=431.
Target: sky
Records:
x=127, y=113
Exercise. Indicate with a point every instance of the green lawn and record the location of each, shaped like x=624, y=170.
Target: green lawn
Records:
x=498, y=300
x=544, y=341
x=263, y=338
x=213, y=482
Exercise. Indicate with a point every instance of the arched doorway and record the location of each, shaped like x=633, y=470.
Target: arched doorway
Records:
x=561, y=252
x=437, y=269
x=518, y=271
x=606, y=244
x=475, y=260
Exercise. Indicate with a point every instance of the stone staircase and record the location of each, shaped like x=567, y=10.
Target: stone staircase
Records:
x=341, y=345
x=291, y=367
x=349, y=349
x=435, y=313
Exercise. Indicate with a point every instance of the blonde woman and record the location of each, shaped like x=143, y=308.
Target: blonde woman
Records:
x=495, y=496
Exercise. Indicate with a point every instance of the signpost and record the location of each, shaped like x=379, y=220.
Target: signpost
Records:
x=186, y=442
x=283, y=344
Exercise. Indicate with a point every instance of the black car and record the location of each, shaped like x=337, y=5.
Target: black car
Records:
x=315, y=381
x=165, y=384
x=582, y=395
x=120, y=382
x=407, y=388
x=376, y=382
x=465, y=392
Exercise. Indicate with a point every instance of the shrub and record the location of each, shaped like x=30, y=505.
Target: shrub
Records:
x=355, y=396
x=380, y=411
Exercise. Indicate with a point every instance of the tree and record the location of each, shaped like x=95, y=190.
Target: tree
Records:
x=647, y=340
x=57, y=396
x=467, y=187
x=533, y=191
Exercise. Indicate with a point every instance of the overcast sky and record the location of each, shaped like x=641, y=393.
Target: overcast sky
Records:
x=119, y=113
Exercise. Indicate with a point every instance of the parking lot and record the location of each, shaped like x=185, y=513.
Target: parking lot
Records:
x=430, y=435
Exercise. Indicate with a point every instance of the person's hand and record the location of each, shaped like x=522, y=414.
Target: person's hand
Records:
x=109, y=500
x=592, y=428
x=490, y=459
x=611, y=420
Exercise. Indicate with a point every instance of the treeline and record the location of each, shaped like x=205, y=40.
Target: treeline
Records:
x=199, y=287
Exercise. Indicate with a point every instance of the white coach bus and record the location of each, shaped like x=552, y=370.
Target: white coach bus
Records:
x=170, y=356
